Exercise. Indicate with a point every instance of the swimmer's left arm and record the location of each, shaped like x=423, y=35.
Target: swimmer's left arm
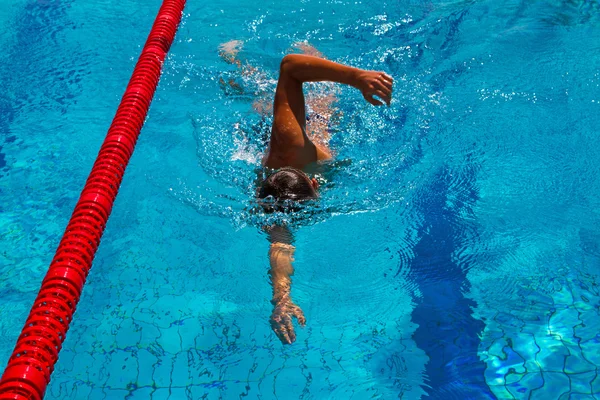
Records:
x=303, y=68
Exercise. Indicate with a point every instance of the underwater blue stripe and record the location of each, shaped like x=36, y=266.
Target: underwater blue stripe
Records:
x=447, y=331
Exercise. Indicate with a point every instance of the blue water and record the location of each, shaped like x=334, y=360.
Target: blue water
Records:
x=456, y=254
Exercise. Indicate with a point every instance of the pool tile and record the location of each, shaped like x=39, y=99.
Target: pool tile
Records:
x=143, y=393
x=582, y=383
x=160, y=394
x=528, y=383
x=555, y=385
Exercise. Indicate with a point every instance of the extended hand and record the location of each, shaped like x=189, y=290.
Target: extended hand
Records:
x=281, y=320
x=375, y=83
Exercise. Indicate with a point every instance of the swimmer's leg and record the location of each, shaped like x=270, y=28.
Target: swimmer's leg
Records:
x=264, y=105
x=228, y=51
x=252, y=84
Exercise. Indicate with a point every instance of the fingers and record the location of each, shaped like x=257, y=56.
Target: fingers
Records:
x=373, y=101
x=386, y=78
x=385, y=81
x=383, y=87
x=384, y=95
x=378, y=84
x=283, y=335
x=383, y=84
x=387, y=97
x=281, y=328
x=297, y=312
x=290, y=330
x=282, y=325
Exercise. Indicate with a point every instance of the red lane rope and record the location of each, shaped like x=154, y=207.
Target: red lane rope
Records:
x=32, y=362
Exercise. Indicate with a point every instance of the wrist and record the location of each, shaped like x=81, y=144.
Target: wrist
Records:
x=280, y=298
x=354, y=77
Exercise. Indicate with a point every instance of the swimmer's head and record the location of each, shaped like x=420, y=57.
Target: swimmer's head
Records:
x=289, y=184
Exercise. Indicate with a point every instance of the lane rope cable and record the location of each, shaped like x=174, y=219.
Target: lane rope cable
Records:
x=28, y=371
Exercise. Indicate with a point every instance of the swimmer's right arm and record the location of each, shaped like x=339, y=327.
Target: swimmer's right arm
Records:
x=305, y=68
x=281, y=256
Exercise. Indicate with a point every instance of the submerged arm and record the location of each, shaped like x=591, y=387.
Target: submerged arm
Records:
x=281, y=256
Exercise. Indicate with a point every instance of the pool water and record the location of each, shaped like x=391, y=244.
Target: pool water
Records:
x=456, y=250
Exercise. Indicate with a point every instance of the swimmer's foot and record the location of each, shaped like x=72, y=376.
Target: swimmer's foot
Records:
x=228, y=51
x=230, y=87
x=263, y=106
x=307, y=49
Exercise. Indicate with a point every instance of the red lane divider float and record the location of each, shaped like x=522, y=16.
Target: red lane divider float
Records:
x=32, y=362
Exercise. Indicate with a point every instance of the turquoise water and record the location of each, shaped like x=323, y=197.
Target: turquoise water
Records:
x=457, y=253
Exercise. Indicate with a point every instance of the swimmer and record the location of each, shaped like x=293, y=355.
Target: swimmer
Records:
x=292, y=150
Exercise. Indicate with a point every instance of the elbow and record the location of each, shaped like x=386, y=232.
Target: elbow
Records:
x=288, y=64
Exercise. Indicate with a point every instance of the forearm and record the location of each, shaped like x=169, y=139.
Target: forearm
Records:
x=305, y=68
x=284, y=309
x=281, y=257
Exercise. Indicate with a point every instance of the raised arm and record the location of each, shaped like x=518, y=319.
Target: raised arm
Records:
x=289, y=145
x=303, y=68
